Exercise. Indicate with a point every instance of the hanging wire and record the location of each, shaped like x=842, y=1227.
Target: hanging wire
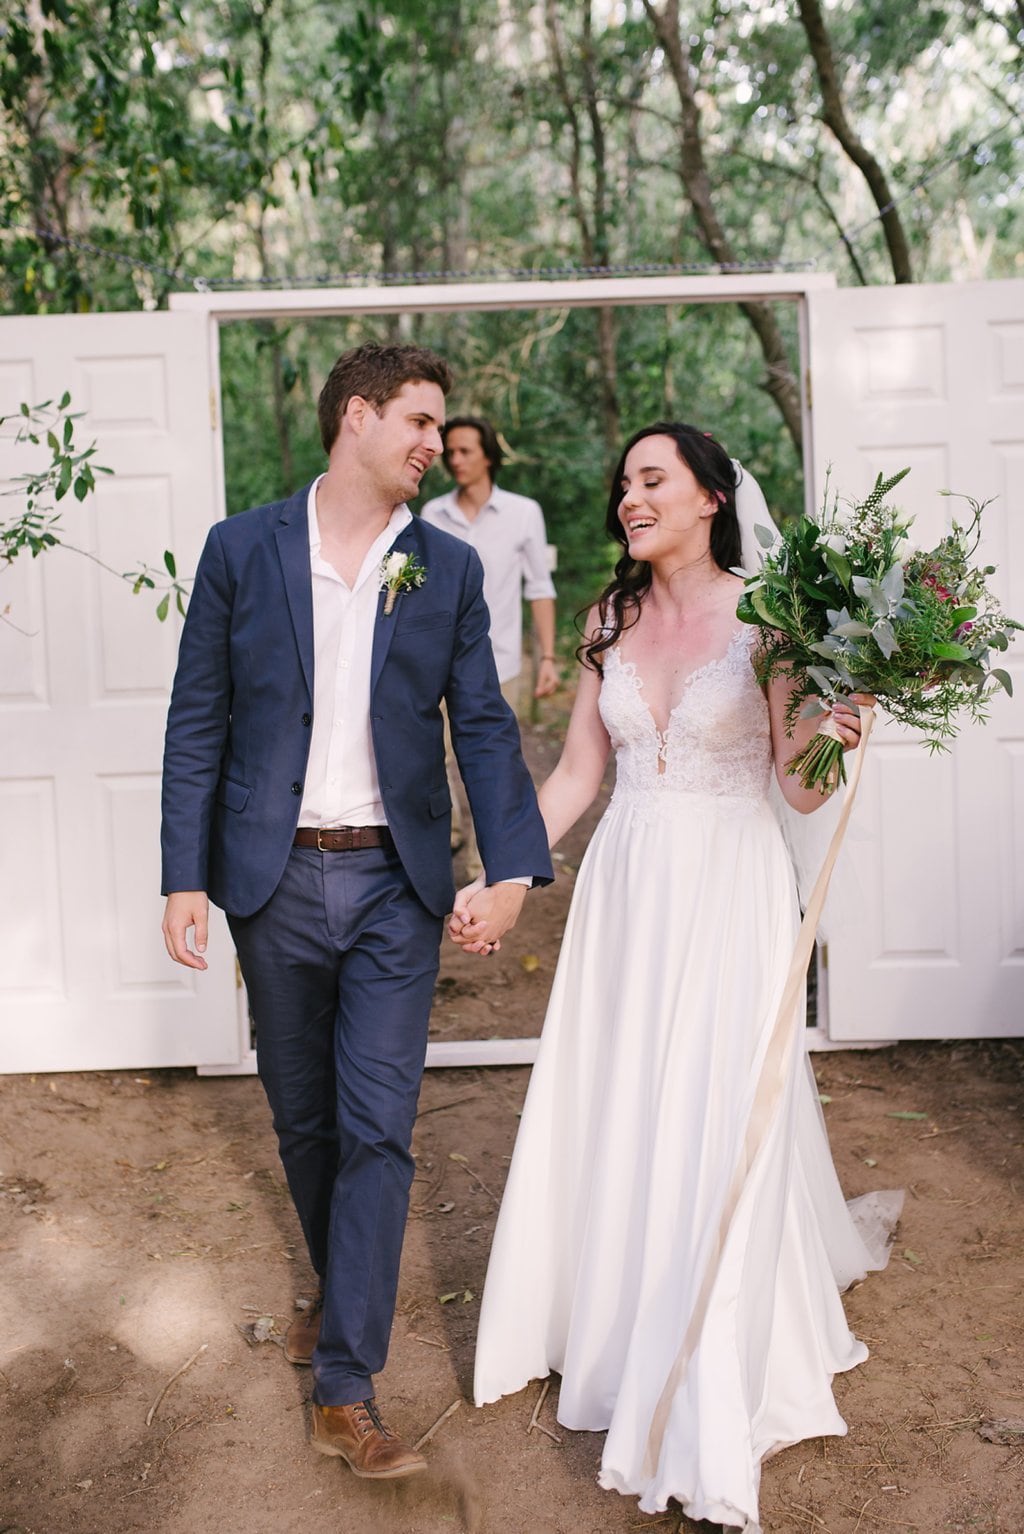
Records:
x=386, y=279
x=567, y=271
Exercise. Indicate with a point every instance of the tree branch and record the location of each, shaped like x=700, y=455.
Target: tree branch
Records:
x=834, y=115
x=693, y=172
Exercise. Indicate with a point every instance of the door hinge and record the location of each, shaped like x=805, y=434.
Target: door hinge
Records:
x=213, y=410
x=808, y=392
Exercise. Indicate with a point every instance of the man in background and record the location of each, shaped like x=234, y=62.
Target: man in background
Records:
x=508, y=533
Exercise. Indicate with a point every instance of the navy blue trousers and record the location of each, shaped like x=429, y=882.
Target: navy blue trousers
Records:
x=340, y=966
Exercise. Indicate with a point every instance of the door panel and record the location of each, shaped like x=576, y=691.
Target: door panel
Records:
x=85, y=670
x=929, y=883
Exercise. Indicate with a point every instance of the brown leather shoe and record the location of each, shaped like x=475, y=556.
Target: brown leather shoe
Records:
x=300, y=1338
x=360, y=1438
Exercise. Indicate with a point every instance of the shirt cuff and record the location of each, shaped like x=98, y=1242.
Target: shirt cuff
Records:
x=525, y=879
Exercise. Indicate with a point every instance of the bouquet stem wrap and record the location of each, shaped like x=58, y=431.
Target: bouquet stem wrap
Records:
x=820, y=764
x=766, y=1096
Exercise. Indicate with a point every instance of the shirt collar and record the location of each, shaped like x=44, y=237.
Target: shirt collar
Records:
x=399, y=519
x=492, y=503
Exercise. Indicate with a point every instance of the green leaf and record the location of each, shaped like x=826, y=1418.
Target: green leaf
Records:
x=169, y=564
x=950, y=652
x=762, y=609
x=162, y=606
x=65, y=401
x=81, y=488
x=765, y=536
x=64, y=482
x=1004, y=679
x=839, y=565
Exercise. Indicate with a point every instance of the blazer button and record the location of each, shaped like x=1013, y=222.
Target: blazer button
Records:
x=307, y=718
x=296, y=788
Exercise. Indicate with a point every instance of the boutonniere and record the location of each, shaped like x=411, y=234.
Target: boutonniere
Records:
x=399, y=572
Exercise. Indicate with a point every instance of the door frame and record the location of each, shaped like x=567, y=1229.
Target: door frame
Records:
x=224, y=307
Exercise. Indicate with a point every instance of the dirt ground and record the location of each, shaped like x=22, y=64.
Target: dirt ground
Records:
x=146, y=1230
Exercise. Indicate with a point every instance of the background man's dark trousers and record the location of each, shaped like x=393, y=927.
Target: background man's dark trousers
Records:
x=340, y=966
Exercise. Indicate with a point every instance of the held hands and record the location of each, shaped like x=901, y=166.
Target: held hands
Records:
x=185, y=909
x=483, y=914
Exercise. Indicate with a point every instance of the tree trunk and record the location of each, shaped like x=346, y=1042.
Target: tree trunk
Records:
x=780, y=382
x=593, y=223
x=834, y=114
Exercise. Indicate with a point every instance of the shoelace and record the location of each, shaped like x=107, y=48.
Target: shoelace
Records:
x=370, y=1411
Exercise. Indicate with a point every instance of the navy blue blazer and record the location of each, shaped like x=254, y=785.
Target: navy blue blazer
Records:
x=239, y=724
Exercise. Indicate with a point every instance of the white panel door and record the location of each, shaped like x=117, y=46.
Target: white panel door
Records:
x=931, y=885
x=85, y=670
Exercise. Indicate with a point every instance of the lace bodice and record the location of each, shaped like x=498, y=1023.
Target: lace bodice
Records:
x=718, y=739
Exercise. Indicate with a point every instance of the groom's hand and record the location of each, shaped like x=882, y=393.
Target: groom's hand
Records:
x=481, y=918
x=185, y=909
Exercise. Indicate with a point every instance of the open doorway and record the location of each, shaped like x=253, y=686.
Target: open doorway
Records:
x=526, y=355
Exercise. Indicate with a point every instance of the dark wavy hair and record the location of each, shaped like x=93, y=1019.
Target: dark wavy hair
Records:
x=488, y=441
x=712, y=468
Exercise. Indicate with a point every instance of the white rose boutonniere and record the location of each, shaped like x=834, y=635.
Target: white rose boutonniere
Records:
x=398, y=573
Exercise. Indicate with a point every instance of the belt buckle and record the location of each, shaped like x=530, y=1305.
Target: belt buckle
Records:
x=319, y=844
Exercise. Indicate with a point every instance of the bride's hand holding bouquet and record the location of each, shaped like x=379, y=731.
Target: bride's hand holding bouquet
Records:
x=847, y=604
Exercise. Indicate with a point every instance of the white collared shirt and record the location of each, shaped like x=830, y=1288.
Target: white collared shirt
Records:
x=341, y=786
x=508, y=534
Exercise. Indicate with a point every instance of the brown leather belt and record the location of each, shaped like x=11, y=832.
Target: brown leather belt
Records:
x=343, y=838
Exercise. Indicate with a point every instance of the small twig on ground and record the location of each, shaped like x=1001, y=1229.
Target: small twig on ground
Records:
x=455, y=1103
x=87, y=1395
x=535, y=1421
x=926, y=1427
x=545, y=1387
x=462, y=1162
x=860, y=1515
x=429, y=1342
x=807, y=1515
x=175, y=1376
x=443, y=1418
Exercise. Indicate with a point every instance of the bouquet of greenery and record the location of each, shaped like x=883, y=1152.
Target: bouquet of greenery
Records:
x=847, y=603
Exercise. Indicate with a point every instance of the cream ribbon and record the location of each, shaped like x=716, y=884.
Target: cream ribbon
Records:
x=767, y=1093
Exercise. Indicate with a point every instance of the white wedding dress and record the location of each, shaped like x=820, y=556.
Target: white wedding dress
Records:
x=673, y=1238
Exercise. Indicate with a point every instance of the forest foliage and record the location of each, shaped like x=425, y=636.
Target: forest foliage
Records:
x=147, y=145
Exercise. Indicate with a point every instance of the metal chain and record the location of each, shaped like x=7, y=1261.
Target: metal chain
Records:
x=514, y=274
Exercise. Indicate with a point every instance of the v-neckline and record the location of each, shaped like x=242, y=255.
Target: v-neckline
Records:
x=691, y=676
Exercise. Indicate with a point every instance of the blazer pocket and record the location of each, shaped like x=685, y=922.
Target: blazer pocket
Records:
x=439, y=803
x=419, y=621
x=233, y=796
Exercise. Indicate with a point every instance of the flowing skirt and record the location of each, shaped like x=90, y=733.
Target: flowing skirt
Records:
x=673, y=1238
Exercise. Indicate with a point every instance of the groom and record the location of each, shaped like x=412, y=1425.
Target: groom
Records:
x=304, y=792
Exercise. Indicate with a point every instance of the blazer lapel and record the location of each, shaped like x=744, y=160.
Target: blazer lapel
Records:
x=292, y=535
x=384, y=627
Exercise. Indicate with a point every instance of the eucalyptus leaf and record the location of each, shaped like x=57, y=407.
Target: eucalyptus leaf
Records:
x=765, y=536
x=1004, y=679
x=826, y=680
x=884, y=637
x=852, y=629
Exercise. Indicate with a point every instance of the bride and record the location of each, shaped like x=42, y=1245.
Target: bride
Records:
x=673, y=1238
